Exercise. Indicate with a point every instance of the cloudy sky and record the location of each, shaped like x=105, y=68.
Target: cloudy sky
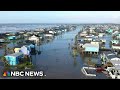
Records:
x=59, y=16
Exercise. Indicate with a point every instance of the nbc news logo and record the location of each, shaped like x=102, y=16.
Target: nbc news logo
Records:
x=23, y=73
x=7, y=73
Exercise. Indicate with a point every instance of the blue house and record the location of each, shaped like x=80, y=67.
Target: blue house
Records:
x=91, y=48
x=12, y=37
x=29, y=46
x=13, y=59
x=110, y=31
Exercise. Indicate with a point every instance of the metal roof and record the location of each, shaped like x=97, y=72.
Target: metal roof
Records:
x=91, y=45
x=15, y=54
x=116, y=63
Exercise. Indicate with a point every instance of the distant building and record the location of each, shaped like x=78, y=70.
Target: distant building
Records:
x=110, y=31
x=34, y=38
x=11, y=37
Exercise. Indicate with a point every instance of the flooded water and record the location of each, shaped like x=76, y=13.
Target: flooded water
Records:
x=108, y=38
x=57, y=62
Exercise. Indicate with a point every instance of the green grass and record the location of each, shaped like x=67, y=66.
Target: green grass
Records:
x=25, y=64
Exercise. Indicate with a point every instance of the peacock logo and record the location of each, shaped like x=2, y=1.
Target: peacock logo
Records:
x=6, y=73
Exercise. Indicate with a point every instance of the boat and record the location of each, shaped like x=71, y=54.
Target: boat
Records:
x=85, y=72
x=100, y=69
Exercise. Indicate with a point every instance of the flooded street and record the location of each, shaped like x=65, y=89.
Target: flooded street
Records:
x=56, y=59
x=59, y=45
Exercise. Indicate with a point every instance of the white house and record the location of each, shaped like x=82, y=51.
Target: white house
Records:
x=2, y=40
x=83, y=34
x=92, y=30
x=117, y=46
x=95, y=42
x=21, y=32
x=51, y=32
x=48, y=35
x=34, y=38
x=29, y=32
x=91, y=47
x=88, y=39
x=101, y=34
x=116, y=32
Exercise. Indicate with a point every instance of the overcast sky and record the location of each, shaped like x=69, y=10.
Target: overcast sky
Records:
x=59, y=16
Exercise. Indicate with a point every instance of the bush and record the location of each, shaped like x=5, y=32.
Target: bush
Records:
x=23, y=65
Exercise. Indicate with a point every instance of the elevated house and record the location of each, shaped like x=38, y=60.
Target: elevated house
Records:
x=89, y=39
x=17, y=48
x=83, y=34
x=92, y=30
x=103, y=41
x=2, y=40
x=95, y=42
x=101, y=34
x=26, y=36
x=115, y=41
x=114, y=70
x=51, y=32
x=109, y=31
x=116, y=46
x=48, y=35
x=108, y=55
x=91, y=48
x=28, y=47
x=40, y=30
x=14, y=59
x=11, y=37
x=80, y=42
x=21, y=32
x=118, y=36
x=29, y=33
x=25, y=50
x=34, y=38
x=115, y=32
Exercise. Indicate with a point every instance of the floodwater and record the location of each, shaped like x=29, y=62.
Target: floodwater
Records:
x=108, y=38
x=57, y=62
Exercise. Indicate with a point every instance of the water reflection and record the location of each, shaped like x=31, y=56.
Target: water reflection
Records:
x=75, y=62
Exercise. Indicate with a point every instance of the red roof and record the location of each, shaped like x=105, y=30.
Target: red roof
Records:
x=116, y=44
